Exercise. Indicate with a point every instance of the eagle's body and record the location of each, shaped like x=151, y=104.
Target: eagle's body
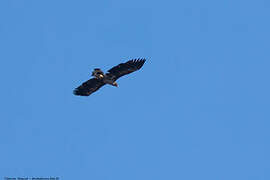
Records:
x=100, y=79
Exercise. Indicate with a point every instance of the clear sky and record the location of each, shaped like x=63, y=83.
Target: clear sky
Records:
x=197, y=110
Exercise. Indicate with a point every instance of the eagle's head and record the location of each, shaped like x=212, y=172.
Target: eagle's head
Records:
x=98, y=73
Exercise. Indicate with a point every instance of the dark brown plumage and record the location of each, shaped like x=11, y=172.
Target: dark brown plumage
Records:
x=125, y=68
x=100, y=79
x=89, y=87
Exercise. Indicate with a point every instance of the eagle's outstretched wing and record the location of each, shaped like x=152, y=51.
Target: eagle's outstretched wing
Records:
x=88, y=87
x=125, y=68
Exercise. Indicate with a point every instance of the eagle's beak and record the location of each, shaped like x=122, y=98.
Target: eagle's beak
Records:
x=115, y=84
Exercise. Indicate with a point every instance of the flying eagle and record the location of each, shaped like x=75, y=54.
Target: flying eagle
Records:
x=100, y=79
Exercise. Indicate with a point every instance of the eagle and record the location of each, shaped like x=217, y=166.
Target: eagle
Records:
x=100, y=79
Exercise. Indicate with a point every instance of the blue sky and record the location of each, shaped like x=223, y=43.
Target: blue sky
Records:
x=198, y=109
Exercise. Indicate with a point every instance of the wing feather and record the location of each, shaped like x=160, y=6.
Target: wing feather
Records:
x=125, y=68
x=88, y=87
